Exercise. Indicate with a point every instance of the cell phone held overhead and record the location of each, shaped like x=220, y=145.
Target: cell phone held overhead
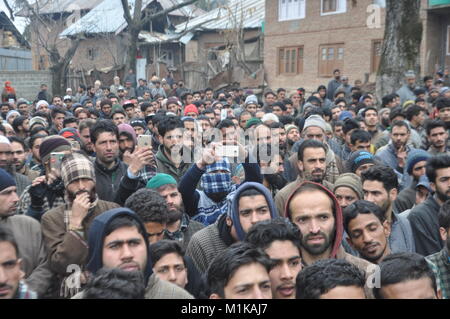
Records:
x=56, y=159
x=144, y=141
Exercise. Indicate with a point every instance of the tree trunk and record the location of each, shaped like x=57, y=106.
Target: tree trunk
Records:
x=401, y=45
x=132, y=49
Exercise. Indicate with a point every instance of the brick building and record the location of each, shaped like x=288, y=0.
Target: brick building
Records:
x=305, y=40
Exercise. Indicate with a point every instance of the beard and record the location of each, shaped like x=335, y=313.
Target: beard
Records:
x=276, y=180
x=315, y=178
x=317, y=249
x=385, y=122
x=442, y=196
x=9, y=167
x=92, y=194
x=174, y=215
x=19, y=166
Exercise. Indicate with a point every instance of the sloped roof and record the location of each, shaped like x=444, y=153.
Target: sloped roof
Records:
x=108, y=17
x=6, y=24
x=250, y=13
x=57, y=6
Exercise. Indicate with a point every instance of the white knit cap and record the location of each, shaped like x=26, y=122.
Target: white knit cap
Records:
x=315, y=120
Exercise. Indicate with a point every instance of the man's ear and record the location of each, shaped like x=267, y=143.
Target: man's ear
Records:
x=300, y=165
x=393, y=194
x=444, y=233
x=229, y=221
x=161, y=141
x=214, y=296
x=433, y=187
x=387, y=228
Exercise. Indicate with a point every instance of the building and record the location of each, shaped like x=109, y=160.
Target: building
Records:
x=224, y=47
x=105, y=30
x=15, y=54
x=305, y=40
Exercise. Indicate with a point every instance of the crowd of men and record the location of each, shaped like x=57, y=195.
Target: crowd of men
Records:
x=152, y=190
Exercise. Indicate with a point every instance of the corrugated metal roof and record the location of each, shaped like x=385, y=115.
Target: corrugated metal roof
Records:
x=156, y=37
x=56, y=6
x=250, y=12
x=107, y=17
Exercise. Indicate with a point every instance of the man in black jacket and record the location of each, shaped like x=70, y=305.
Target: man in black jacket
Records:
x=115, y=180
x=424, y=217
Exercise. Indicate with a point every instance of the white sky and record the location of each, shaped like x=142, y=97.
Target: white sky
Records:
x=19, y=22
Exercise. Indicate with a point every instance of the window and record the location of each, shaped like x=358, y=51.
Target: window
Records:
x=376, y=55
x=448, y=40
x=291, y=9
x=333, y=6
x=331, y=57
x=92, y=53
x=290, y=60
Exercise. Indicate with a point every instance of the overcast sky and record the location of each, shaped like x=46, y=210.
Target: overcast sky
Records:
x=19, y=22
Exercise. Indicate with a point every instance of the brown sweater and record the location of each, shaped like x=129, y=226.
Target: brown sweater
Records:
x=68, y=247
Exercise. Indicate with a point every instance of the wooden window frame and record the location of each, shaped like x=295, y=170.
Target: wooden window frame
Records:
x=337, y=63
x=338, y=10
x=372, y=55
x=281, y=70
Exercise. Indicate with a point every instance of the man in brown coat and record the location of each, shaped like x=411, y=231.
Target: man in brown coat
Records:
x=65, y=227
x=316, y=212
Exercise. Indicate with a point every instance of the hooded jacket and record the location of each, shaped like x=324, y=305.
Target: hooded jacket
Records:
x=211, y=241
x=97, y=236
x=156, y=288
x=337, y=251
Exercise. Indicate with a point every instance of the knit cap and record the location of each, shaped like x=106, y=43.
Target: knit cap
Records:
x=76, y=166
x=270, y=117
x=38, y=120
x=6, y=180
x=161, y=179
x=41, y=103
x=345, y=115
x=10, y=113
x=252, y=121
x=289, y=127
x=352, y=181
x=53, y=143
x=251, y=99
x=415, y=156
x=70, y=132
x=190, y=108
x=360, y=158
x=315, y=120
x=138, y=122
x=126, y=128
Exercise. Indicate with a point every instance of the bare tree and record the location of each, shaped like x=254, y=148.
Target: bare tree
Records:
x=137, y=22
x=45, y=33
x=401, y=46
x=9, y=8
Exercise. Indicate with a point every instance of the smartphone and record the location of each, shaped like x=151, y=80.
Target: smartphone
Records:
x=227, y=150
x=144, y=141
x=223, y=114
x=55, y=160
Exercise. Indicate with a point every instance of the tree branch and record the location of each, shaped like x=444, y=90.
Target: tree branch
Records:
x=126, y=11
x=10, y=10
x=166, y=11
